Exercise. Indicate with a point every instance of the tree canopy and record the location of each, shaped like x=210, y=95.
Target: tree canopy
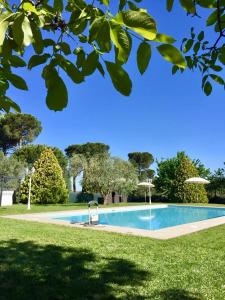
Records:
x=48, y=184
x=77, y=36
x=142, y=161
x=88, y=149
x=17, y=129
x=172, y=174
x=31, y=153
x=107, y=174
x=187, y=192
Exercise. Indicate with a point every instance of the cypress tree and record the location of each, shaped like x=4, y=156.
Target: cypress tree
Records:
x=186, y=192
x=48, y=184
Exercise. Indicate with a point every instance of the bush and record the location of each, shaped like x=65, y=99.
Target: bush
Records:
x=217, y=200
x=84, y=197
x=48, y=184
x=186, y=192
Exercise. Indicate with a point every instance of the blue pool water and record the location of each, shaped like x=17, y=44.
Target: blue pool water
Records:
x=152, y=219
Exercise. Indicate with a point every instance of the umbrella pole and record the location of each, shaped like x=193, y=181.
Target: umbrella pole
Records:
x=150, y=200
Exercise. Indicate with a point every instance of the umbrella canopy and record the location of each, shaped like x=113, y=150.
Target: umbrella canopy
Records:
x=197, y=180
x=145, y=183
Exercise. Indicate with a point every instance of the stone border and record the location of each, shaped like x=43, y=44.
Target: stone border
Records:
x=162, y=234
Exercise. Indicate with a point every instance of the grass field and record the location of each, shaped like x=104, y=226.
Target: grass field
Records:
x=44, y=261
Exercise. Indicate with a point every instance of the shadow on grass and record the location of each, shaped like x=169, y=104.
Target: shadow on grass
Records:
x=32, y=271
x=177, y=294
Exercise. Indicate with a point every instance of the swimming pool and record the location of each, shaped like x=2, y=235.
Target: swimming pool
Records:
x=151, y=219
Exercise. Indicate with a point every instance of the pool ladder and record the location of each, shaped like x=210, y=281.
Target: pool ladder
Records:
x=93, y=213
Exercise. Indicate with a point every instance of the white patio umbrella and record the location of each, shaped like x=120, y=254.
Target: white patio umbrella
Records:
x=149, y=185
x=197, y=180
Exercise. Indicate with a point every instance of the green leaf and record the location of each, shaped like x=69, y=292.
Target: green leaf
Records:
x=4, y=22
x=143, y=56
x=122, y=4
x=163, y=38
x=122, y=41
x=174, y=70
x=105, y=2
x=95, y=28
x=4, y=86
x=38, y=44
x=80, y=58
x=196, y=47
x=222, y=55
x=17, y=81
x=201, y=36
x=17, y=31
x=12, y=104
x=188, y=45
x=212, y=19
x=172, y=54
x=207, y=3
x=139, y=21
x=188, y=5
x=75, y=75
x=58, y=5
x=36, y=60
x=28, y=35
x=91, y=63
x=217, y=79
x=119, y=77
x=132, y=6
x=57, y=96
x=169, y=4
x=100, y=31
x=207, y=88
x=216, y=68
x=16, y=61
x=29, y=7
x=65, y=48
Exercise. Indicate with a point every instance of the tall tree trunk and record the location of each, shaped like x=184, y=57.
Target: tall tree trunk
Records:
x=74, y=184
x=106, y=199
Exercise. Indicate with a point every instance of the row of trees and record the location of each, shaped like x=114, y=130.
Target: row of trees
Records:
x=101, y=172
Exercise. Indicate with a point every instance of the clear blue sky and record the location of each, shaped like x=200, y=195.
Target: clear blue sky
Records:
x=164, y=114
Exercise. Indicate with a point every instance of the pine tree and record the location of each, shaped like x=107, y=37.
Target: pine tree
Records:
x=48, y=184
x=186, y=192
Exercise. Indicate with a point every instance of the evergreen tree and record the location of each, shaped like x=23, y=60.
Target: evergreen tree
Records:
x=48, y=184
x=186, y=192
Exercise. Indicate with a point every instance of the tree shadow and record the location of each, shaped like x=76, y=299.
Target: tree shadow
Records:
x=32, y=271
x=178, y=294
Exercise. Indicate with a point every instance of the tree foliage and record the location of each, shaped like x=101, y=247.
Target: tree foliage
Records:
x=88, y=149
x=31, y=153
x=186, y=192
x=216, y=188
x=142, y=161
x=10, y=166
x=48, y=184
x=171, y=176
x=17, y=129
x=76, y=37
x=104, y=174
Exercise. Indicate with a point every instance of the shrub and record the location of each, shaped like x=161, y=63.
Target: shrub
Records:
x=185, y=192
x=48, y=184
x=84, y=197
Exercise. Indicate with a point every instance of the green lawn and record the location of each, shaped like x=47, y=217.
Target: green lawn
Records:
x=44, y=261
x=22, y=208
